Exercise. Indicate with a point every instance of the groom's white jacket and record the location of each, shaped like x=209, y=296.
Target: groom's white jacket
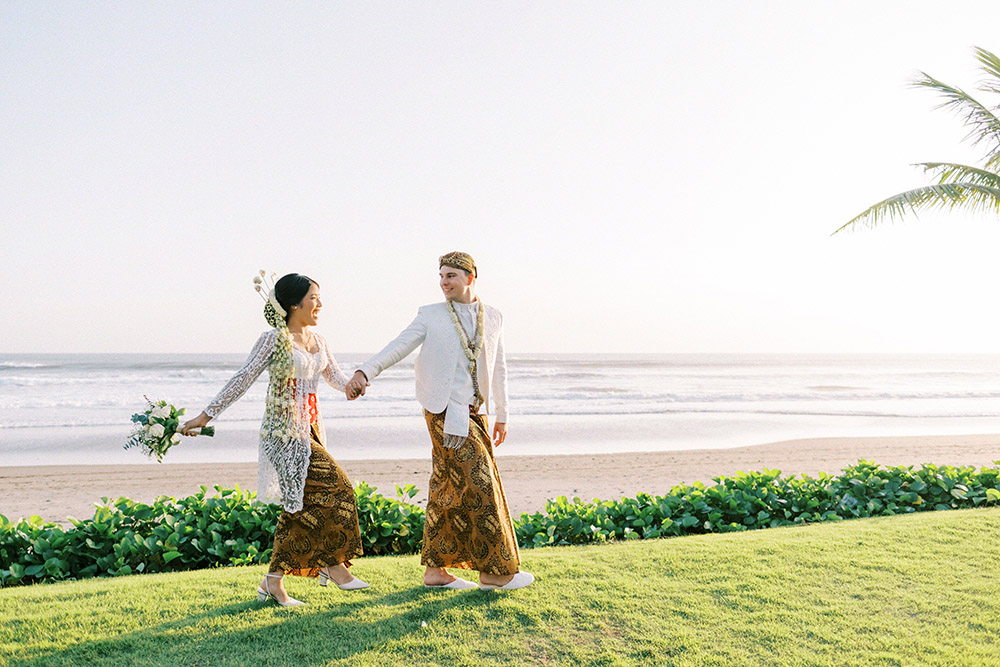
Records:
x=441, y=351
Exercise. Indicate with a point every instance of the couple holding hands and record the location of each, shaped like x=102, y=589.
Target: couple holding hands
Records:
x=460, y=372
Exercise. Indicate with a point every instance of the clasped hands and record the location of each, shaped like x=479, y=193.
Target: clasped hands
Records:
x=356, y=386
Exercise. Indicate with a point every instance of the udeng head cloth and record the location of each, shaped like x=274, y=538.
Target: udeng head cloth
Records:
x=458, y=260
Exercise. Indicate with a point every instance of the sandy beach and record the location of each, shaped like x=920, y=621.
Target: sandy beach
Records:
x=57, y=492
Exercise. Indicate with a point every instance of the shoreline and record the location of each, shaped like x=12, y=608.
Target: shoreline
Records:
x=56, y=492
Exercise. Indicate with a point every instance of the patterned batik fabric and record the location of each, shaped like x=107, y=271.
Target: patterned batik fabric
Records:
x=325, y=531
x=467, y=524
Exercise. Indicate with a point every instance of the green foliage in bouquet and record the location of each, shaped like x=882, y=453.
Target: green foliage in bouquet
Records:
x=156, y=429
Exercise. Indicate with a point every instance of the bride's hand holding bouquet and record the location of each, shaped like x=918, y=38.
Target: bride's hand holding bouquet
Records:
x=197, y=426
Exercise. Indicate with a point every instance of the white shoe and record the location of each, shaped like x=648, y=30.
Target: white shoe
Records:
x=520, y=580
x=352, y=585
x=263, y=595
x=458, y=584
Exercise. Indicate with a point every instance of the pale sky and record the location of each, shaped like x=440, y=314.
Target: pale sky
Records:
x=630, y=176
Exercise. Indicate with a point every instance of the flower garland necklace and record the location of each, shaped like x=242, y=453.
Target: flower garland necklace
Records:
x=281, y=405
x=471, y=349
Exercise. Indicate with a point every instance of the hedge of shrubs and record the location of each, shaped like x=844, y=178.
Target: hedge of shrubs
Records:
x=753, y=500
x=232, y=528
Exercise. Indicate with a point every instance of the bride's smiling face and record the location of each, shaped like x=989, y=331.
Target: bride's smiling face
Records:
x=307, y=310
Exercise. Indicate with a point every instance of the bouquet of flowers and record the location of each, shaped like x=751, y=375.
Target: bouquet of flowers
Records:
x=156, y=429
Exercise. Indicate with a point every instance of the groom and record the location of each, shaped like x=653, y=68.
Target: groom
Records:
x=460, y=369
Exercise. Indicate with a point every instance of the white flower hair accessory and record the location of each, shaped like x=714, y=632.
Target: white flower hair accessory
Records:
x=263, y=282
x=273, y=300
x=273, y=312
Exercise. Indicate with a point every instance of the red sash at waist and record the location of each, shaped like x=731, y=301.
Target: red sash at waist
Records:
x=313, y=410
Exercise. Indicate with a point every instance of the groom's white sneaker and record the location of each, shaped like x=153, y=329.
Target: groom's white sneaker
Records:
x=520, y=580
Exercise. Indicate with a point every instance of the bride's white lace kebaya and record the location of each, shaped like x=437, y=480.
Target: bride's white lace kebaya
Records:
x=284, y=439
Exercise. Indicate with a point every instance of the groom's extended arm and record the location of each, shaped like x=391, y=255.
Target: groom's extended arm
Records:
x=407, y=341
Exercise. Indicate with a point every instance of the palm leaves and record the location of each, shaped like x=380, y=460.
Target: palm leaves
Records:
x=958, y=186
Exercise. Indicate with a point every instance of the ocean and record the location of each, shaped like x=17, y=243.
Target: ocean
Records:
x=75, y=408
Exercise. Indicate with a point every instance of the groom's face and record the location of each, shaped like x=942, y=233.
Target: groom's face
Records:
x=455, y=283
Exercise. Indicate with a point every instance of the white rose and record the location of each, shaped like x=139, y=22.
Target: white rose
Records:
x=163, y=412
x=175, y=438
x=156, y=430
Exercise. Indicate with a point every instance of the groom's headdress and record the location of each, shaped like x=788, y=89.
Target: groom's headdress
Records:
x=458, y=260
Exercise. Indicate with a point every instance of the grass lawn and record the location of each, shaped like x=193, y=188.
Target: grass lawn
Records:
x=907, y=590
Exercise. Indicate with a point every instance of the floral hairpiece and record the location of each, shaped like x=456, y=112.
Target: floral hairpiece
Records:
x=262, y=282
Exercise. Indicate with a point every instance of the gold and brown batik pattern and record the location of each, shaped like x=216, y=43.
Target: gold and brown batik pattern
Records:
x=467, y=524
x=325, y=531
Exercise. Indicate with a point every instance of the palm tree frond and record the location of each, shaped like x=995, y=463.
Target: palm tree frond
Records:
x=948, y=196
x=991, y=65
x=984, y=125
x=948, y=172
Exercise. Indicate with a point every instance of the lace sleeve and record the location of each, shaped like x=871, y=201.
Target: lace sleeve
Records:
x=246, y=376
x=332, y=373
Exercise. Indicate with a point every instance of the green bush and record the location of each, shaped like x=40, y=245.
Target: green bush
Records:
x=389, y=526
x=761, y=500
x=232, y=528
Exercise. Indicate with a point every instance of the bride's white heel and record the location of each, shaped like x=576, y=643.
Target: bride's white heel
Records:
x=265, y=593
x=352, y=585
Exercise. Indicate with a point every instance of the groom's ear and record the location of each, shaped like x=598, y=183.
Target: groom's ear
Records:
x=469, y=277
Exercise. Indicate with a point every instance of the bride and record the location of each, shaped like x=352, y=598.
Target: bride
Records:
x=317, y=533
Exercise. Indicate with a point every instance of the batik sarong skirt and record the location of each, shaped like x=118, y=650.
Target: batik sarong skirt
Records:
x=467, y=523
x=325, y=531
